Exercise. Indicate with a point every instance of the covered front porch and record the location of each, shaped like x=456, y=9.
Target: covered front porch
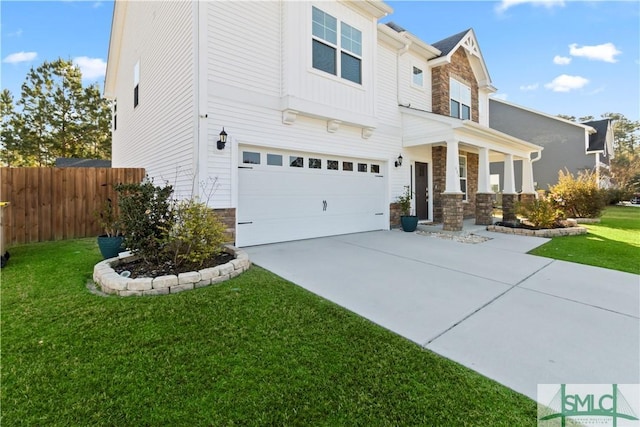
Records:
x=461, y=151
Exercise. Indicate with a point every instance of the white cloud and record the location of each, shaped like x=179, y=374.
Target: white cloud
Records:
x=91, y=68
x=603, y=52
x=530, y=87
x=566, y=83
x=506, y=4
x=17, y=33
x=97, y=4
x=17, y=57
x=561, y=60
x=502, y=96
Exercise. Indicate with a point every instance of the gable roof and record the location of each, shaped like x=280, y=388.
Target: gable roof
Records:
x=447, y=45
x=598, y=140
x=469, y=42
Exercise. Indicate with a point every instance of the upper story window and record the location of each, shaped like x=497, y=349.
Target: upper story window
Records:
x=136, y=84
x=417, y=77
x=348, y=64
x=460, y=95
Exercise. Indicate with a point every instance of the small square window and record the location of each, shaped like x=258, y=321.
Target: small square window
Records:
x=250, y=158
x=347, y=166
x=418, y=76
x=375, y=168
x=332, y=165
x=274, y=160
x=362, y=167
x=296, y=162
x=315, y=163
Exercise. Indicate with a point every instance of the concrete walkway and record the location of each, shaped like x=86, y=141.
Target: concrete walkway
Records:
x=519, y=319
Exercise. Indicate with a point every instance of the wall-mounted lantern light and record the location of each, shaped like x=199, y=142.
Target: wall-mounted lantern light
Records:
x=399, y=161
x=223, y=140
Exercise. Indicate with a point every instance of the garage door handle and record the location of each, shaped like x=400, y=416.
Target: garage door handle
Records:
x=324, y=205
x=247, y=222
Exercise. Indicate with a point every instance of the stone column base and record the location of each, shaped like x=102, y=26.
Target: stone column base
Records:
x=394, y=215
x=509, y=207
x=484, y=208
x=527, y=198
x=452, y=212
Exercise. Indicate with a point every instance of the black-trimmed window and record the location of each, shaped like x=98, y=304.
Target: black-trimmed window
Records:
x=115, y=114
x=136, y=84
x=325, y=47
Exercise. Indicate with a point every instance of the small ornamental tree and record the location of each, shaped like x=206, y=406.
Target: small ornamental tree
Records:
x=578, y=197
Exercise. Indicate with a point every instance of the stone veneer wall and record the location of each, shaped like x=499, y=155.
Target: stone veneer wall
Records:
x=509, y=207
x=527, y=197
x=439, y=158
x=460, y=69
x=228, y=217
x=112, y=283
x=484, y=208
x=394, y=215
x=472, y=184
x=452, y=211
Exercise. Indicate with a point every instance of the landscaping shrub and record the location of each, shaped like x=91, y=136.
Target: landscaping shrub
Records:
x=578, y=197
x=161, y=230
x=616, y=195
x=196, y=234
x=541, y=213
x=145, y=214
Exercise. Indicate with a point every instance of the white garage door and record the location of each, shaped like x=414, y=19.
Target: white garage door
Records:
x=290, y=196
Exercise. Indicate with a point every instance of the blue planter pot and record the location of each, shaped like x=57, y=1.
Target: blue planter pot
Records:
x=110, y=247
x=409, y=223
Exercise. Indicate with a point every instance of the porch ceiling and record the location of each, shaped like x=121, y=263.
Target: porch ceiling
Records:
x=425, y=128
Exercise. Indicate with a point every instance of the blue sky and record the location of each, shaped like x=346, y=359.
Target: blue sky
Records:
x=557, y=56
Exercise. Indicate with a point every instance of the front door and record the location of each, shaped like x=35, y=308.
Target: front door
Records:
x=422, y=191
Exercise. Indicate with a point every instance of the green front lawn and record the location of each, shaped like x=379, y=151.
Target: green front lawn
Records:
x=614, y=243
x=256, y=350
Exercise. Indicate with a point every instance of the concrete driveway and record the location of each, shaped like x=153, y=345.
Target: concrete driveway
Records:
x=519, y=319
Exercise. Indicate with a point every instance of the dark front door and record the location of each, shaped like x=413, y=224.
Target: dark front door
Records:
x=422, y=191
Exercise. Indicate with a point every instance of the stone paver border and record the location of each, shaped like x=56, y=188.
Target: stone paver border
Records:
x=112, y=283
x=546, y=232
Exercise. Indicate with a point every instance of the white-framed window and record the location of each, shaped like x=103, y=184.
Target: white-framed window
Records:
x=136, y=84
x=325, y=47
x=460, y=95
x=462, y=162
x=417, y=77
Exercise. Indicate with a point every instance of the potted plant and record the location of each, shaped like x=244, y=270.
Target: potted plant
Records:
x=110, y=243
x=409, y=222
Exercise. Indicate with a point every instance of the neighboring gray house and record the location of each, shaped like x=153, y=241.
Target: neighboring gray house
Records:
x=574, y=146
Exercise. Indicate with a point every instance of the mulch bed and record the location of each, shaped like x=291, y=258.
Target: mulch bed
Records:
x=139, y=268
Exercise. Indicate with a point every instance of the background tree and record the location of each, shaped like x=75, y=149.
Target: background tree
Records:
x=55, y=117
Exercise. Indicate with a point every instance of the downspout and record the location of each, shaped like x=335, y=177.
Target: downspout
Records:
x=399, y=53
x=538, y=157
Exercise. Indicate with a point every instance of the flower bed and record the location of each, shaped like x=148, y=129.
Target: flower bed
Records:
x=545, y=232
x=112, y=283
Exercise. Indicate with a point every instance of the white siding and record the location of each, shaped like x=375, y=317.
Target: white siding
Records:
x=159, y=134
x=417, y=97
x=318, y=93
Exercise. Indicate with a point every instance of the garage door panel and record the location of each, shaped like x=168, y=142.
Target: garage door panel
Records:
x=283, y=203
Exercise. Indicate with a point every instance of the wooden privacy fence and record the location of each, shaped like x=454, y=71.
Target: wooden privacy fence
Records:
x=57, y=203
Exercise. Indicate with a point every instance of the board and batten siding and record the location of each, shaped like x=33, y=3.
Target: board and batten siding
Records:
x=160, y=133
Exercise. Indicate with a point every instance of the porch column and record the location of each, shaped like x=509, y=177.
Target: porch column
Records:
x=484, y=196
x=452, y=210
x=509, y=195
x=528, y=192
